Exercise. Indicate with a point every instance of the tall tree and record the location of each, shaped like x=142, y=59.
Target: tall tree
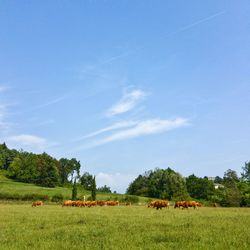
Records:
x=218, y=179
x=86, y=181
x=230, y=178
x=139, y=186
x=199, y=188
x=232, y=193
x=74, y=191
x=246, y=172
x=24, y=167
x=48, y=174
x=93, y=190
x=6, y=156
x=68, y=168
x=160, y=183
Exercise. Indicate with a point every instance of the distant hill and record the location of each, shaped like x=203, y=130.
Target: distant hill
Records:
x=13, y=190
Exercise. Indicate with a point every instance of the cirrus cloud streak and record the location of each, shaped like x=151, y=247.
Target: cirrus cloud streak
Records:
x=142, y=128
x=127, y=102
x=115, y=126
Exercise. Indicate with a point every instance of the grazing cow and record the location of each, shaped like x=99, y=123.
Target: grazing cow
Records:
x=194, y=204
x=67, y=203
x=37, y=203
x=151, y=203
x=181, y=204
x=112, y=203
x=187, y=204
x=92, y=203
x=191, y=204
x=198, y=204
x=158, y=204
x=101, y=203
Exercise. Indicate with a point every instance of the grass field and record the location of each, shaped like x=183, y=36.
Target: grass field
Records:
x=12, y=188
x=135, y=227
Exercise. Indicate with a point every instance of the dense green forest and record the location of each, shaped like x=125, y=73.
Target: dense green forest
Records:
x=40, y=169
x=44, y=170
x=229, y=190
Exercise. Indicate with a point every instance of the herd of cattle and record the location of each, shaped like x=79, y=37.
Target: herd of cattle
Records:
x=187, y=204
x=70, y=203
x=158, y=204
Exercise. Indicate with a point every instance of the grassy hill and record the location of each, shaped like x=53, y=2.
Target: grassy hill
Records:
x=12, y=190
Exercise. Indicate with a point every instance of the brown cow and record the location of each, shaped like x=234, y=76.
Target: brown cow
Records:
x=181, y=204
x=92, y=203
x=37, y=203
x=101, y=203
x=198, y=204
x=67, y=203
x=191, y=204
x=112, y=203
x=151, y=203
x=159, y=204
x=187, y=204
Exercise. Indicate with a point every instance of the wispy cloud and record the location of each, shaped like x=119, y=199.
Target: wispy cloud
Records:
x=203, y=20
x=143, y=46
x=142, y=128
x=127, y=102
x=115, y=126
x=147, y=127
x=28, y=140
x=52, y=101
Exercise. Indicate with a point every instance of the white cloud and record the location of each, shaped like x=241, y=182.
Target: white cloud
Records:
x=115, y=126
x=142, y=128
x=31, y=143
x=117, y=182
x=28, y=140
x=127, y=103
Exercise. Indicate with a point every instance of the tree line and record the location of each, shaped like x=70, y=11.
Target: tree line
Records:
x=229, y=190
x=45, y=170
x=41, y=169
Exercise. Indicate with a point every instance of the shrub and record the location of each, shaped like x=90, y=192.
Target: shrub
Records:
x=41, y=197
x=89, y=198
x=57, y=198
x=130, y=198
x=6, y=196
x=28, y=197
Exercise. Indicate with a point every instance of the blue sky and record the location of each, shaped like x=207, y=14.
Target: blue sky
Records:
x=127, y=86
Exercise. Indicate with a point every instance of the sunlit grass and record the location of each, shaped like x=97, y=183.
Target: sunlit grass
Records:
x=135, y=227
x=9, y=187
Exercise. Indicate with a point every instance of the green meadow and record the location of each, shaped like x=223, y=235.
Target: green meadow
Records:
x=12, y=190
x=131, y=227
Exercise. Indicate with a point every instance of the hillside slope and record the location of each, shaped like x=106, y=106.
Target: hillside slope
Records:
x=12, y=190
